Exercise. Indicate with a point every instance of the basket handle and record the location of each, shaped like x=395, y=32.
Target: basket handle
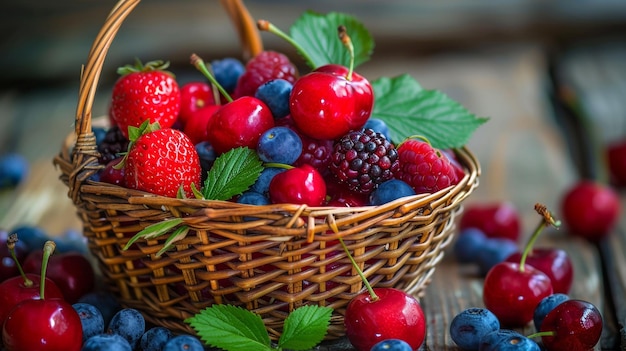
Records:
x=84, y=153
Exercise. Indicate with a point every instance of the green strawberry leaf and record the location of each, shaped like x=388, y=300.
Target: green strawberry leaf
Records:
x=233, y=172
x=409, y=110
x=154, y=230
x=230, y=328
x=317, y=35
x=305, y=327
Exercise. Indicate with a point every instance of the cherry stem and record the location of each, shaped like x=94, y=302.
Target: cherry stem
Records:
x=347, y=42
x=267, y=26
x=197, y=62
x=540, y=334
x=359, y=271
x=11, y=241
x=48, y=249
x=546, y=220
x=278, y=165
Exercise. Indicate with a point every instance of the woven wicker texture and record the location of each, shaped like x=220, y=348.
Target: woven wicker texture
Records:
x=269, y=259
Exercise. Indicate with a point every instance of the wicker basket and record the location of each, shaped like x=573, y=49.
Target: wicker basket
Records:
x=288, y=257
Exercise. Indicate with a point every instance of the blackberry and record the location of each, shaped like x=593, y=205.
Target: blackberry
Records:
x=363, y=159
x=112, y=145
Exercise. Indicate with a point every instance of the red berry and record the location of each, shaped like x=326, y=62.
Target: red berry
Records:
x=325, y=104
x=590, y=210
x=616, y=157
x=162, y=161
x=555, y=263
x=15, y=290
x=423, y=167
x=112, y=174
x=196, y=126
x=298, y=185
x=145, y=92
x=576, y=324
x=266, y=66
x=495, y=220
x=194, y=96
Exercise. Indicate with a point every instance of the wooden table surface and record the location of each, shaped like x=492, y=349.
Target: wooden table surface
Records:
x=523, y=156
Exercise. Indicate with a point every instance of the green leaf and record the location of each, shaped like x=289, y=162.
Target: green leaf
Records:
x=231, y=328
x=317, y=35
x=179, y=234
x=154, y=230
x=233, y=172
x=305, y=327
x=409, y=110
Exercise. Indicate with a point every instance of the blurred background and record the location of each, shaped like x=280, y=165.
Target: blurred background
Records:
x=507, y=60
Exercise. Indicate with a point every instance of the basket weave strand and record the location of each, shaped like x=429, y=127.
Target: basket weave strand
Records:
x=268, y=259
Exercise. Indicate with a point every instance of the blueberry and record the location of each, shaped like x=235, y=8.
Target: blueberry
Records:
x=252, y=198
x=379, y=126
x=106, y=342
x=104, y=301
x=128, y=323
x=279, y=145
x=262, y=184
x=155, y=338
x=275, y=94
x=227, y=72
x=183, y=343
x=390, y=190
x=100, y=134
x=507, y=340
x=71, y=240
x=469, y=326
x=207, y=155
x=14, y=169
x=546, y=305
x=34, y=237
x=90, y=318
x=392, y=345
x=494, y=251
x=468, y=244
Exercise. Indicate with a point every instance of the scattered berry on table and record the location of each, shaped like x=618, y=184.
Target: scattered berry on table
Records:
x=106, y=342
x=494, y=251
x=546, y=305
x=507, y=340
x=90, y=318
x=265, y=66
x=14, y=168
x=227, y=72
x=390, y=190
x=279, y=145
x=183, y=343
x=425, y=168
x=128, y=323
x=468, y=244
x=468, y=327
x=363, y=159
x=576, y=324
x=392, y=345
x=155, y=338
x=275, y=94
x=105, y=301
x=33, y=236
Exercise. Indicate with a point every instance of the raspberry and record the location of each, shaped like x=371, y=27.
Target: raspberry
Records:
x=363, y=159
x=112, y=145
x=425, y=168
x=266, y=66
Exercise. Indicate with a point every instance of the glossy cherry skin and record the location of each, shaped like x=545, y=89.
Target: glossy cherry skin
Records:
x=555, y=263
x=239, y=123
x=43, y=325
x=395, y=315
x=496, y=220
x=14, y=290
x=512, y=294
x=196, y=126
x=8, y=267
x=590, y=210
x=194, y=96
x=70, y=271
x=298, y=185
x=577, y=325
x=324, y=104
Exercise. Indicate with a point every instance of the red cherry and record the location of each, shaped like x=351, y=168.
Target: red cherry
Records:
x=298, y=185
x=112, y=175
x=555, y=263
x=496, y=220
x=326, y=104
x=196, y=126
x=70, y=271
x=8, y=267
x=340, y=196
x=194, y=96
x=590, y=210
x=15, y=290
x=512, y=293
x=45, y=324
x=239, y=123
x=575, y=325
x=394, y=315
x=616, y=158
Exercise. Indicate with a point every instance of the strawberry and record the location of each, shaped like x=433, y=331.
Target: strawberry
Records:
x=145, y=92
x=161, y=161
x=425, y=168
